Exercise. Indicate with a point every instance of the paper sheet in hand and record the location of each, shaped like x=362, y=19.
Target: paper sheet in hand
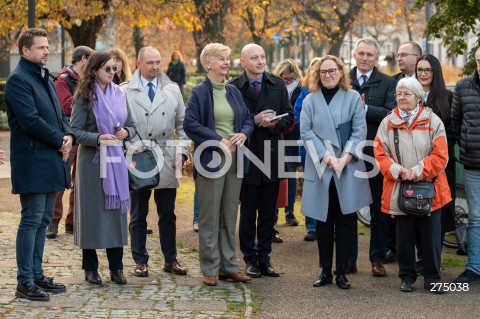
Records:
x=277, y=117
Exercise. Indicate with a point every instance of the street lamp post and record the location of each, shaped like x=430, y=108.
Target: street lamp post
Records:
x=31, y=13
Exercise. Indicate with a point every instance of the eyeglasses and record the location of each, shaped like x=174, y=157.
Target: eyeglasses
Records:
x=331, y=72
x=405, y=95
x=427, y=71
x=110, y=68
x=404, y=55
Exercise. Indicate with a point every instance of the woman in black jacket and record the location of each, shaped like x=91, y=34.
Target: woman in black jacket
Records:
x=177, y=72
x=439, y=99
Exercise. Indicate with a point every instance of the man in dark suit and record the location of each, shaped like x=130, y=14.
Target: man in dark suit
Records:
x=265, y=95
x=41, y=139
x=407, y=56
x=378, y=96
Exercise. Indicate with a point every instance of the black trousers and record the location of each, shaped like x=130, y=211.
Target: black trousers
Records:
x=165, y=201
x=339, y=228
x=428, y=228
x=90, y=259
x=261, y=199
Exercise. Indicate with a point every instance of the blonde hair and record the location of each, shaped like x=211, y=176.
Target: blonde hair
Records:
x=213, y=50
x=126, y=74
x=315, y=83
x=286, y=67
x=306, y=79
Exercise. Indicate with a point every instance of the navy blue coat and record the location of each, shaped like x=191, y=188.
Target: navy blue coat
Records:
x=37, y=127
x=199, y=122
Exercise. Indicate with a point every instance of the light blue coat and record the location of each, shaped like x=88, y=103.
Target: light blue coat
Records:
x=319, y=131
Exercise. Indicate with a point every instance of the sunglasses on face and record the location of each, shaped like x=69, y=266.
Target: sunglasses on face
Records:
x=108, y=69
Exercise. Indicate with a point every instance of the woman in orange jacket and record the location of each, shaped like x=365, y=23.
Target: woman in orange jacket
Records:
x=424, y=156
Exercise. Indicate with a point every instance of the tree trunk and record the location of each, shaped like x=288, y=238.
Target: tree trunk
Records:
x=4, y=63
x=137, y=39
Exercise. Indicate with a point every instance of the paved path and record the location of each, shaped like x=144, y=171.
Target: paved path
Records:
x=161, y=295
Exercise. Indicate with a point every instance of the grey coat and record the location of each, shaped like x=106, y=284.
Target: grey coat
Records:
x=159, y=122
x=319, y=123
x=95, y=227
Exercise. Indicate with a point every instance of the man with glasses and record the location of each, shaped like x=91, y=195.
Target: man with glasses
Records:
x=465, y=122
x=407, y=56
x=265, y=95
x=378, y=96
x=65, y=84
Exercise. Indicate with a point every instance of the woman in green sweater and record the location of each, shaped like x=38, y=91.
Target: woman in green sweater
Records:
x=217, y=115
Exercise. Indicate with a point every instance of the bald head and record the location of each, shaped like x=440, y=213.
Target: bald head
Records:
x=253, y=60
x=149, y=63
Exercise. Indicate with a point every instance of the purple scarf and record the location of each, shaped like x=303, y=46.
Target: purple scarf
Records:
x=110, y=108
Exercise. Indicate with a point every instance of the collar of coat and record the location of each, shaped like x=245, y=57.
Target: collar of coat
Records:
x=375, y=77
x=31, y=67
x=243, y=79
x=135, y=83
x=396, y=120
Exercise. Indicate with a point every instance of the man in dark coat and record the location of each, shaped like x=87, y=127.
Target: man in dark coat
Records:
x=40, y=142
x=265, y=95
x=465, y=121
x=407, y=56
x=378, y=96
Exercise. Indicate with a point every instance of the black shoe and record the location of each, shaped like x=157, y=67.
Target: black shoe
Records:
x=31, y=291
x=276, y=238
x=390, y=256
x=291, y=220
x=93, y=277
x=406, y=287
x=266, y=269
x=149, y=231
x=47, y=284
x=310, y=236
x=468, y=276
x=342, y=282
x=69, y=228
x=435, y=287
x=251, y=269
x=118, y=277
x=52, y=230
x=322, y=280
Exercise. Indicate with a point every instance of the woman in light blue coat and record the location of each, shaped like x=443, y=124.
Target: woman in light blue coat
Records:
x=333, y=127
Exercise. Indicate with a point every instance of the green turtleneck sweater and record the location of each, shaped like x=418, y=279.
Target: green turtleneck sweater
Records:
x=222, y=111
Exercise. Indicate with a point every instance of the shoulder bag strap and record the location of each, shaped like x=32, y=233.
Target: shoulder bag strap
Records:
x=397, y=148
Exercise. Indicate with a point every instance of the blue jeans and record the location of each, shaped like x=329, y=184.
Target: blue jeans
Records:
x=472, y=192
x=195, y=206
x=310, y=224
x=37, y=213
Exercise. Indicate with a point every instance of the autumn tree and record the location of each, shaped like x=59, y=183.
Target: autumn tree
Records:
x=451, y=22
x=10, y=28
x=330, y=20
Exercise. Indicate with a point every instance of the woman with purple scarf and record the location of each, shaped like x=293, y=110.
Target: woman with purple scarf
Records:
x=101, y=121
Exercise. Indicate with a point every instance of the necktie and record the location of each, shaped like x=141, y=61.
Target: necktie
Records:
x=255, y=88
x=364, y=80
x=151, y=93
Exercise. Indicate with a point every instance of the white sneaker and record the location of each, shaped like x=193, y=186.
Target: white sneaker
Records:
x=195, y=226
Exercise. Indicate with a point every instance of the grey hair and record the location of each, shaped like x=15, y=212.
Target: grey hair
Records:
x=213, y=50
x=369, y=41
x=411, y=84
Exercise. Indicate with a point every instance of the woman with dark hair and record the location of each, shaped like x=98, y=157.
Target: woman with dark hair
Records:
x=177, y=72
x=439, y=99
x=123, y=72
x=101, y=122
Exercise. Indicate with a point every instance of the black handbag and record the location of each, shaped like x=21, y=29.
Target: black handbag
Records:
x=146, y=163
x=415, y=198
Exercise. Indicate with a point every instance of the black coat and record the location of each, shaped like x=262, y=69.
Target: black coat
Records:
x=379, y=96
x=465, y=120
x=274, y=96
x=37, y=126
x=177, y=73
